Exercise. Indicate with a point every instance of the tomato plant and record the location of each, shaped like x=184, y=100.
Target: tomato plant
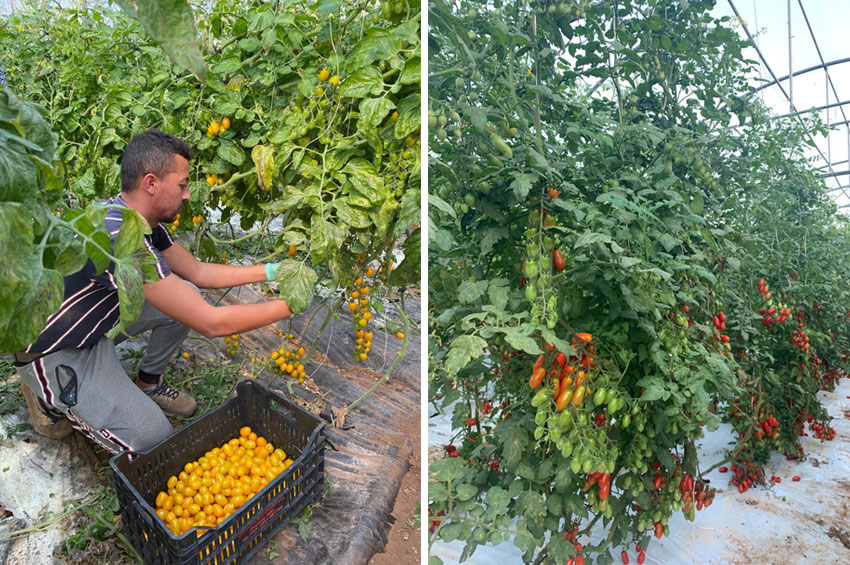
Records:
x=308, y=119
x=597, y=229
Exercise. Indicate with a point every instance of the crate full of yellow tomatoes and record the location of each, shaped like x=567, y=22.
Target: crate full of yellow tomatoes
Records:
x=220, y=487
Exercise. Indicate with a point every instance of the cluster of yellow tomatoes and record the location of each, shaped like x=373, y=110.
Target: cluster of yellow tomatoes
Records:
x=208, y=490
x=214, y=179
x=358, y=304
x=214, y=127
x=289, y=362
x=175, y=225
x=325, y=75
x=231, y=343
x=196, y=221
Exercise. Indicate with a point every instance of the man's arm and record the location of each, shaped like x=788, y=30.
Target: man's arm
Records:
x=180, y=301
x=210, y=275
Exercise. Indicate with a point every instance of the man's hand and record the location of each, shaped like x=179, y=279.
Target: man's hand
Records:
x=271, y=270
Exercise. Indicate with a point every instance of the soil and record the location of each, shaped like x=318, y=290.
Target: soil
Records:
x=404, y=538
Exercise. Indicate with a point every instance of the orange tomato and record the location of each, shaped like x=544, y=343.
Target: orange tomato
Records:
x=564, y=399
x=537, y=377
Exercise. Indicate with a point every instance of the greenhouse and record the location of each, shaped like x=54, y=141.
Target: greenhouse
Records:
x=638, y=301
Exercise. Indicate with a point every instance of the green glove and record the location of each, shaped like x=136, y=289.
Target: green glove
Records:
x=271, y=270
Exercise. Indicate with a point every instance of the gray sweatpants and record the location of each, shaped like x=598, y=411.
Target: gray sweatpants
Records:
x=107, y=405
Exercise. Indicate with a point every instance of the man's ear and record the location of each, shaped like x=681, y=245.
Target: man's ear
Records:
x=149, y=182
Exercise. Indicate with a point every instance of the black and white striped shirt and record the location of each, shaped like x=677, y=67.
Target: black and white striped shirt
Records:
x=90, y=307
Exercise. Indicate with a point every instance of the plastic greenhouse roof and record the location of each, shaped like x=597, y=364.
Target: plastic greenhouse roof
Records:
x=817, y=36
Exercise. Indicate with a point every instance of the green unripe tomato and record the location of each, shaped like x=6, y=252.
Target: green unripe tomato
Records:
x=600, y=396
x=575, y=465
x=540, y=397
x=565, y=420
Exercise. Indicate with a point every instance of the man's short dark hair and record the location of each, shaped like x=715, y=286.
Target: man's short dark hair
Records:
x=152, y=151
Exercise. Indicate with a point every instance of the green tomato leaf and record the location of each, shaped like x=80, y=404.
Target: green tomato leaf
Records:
x=131, y=237
x=362, y=83
x=231, y=152
x=469, y=291
x=378, y=44
x=440, y=204
x=520, y=339
x=199, y=193
x=466, y=491
x=372, y=113
x=408, y=116
x=71, y=258
x=410, y=74
x=296, y=284
x=409, y=213
x=172, y=25
x=366, y=180
x=384, y=217
x=30, y=293
x=446, y=470
x=129, y=278
x=522, y=184
x=463, y=350
x=351, y=216
x=325, y=240
x=514, y=439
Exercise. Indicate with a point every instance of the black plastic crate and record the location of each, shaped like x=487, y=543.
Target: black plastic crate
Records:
x=140, y=476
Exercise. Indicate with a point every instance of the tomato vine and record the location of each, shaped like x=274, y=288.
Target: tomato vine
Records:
x=604, y=196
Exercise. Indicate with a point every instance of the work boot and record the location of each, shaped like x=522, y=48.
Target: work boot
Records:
x=172, y=401
x=45, y=421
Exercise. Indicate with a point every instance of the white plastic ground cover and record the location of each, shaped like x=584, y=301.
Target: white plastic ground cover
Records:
x=790, y=523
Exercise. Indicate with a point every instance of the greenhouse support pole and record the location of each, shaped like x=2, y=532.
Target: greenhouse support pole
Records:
x=828, y=136
x=790, y=69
